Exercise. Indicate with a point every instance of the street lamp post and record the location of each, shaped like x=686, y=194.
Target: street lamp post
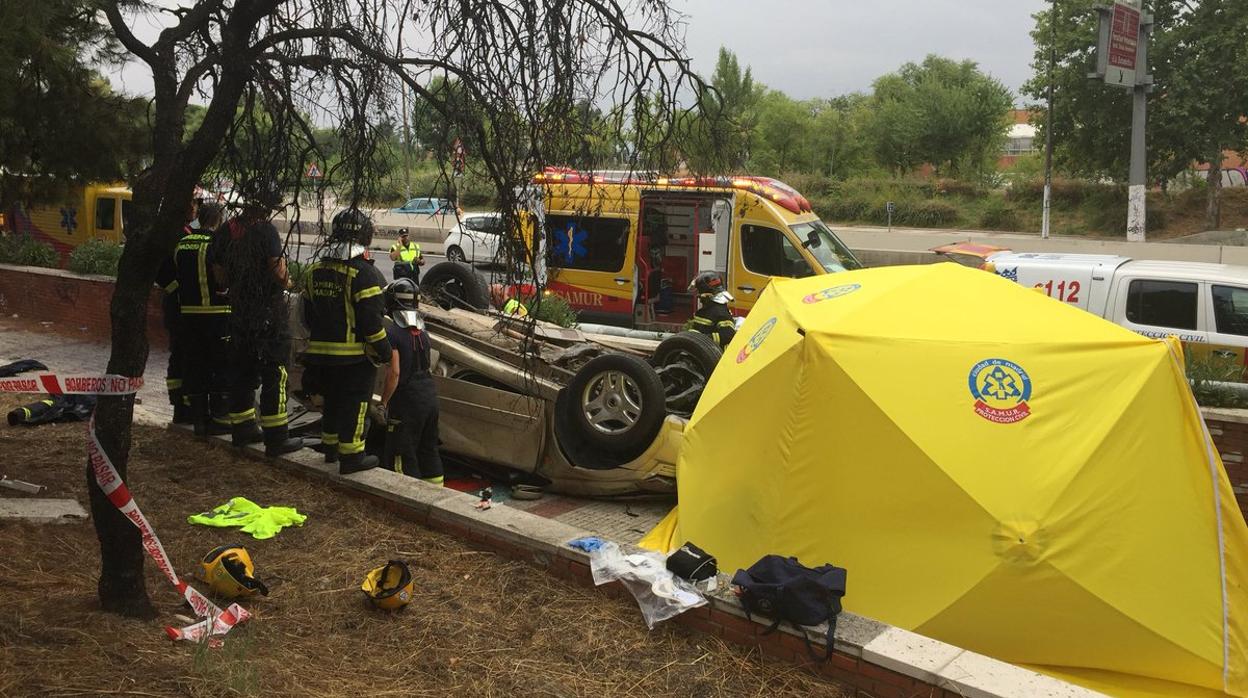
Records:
x=1045, y=219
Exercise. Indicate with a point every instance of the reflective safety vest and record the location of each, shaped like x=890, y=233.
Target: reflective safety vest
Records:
x=407, y=253
x=515, y=307
x=187, y=276
x=344, y=308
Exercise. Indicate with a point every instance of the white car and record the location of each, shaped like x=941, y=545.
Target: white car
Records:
x=475, y=238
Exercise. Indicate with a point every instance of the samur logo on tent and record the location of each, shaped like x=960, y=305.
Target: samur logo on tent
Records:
x=756, y=340
x=830, y=293
x=1001, y=390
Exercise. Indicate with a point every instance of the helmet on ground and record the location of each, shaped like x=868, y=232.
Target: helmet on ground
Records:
x=707, y=283
x=389, y=587
x=402, y=294
x=229, y=573
x=352, y=225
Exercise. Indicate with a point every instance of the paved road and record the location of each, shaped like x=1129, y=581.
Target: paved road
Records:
x=305, y=253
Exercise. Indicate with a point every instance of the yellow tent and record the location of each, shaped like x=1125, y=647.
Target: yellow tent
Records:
x=996, y=470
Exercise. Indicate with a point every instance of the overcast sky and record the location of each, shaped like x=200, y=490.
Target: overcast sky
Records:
x=824, y=48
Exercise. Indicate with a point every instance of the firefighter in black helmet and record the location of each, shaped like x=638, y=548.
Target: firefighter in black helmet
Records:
x=712, y=316
x=247, y=256
x=347, y=341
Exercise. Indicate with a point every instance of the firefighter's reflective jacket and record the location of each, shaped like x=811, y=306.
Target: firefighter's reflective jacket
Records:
x=714, y=319
x=344, y=310
x=189, y=275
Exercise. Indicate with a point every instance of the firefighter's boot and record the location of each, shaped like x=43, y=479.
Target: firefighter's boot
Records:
x=356, y=462
x=246, y=433
x=277, y=442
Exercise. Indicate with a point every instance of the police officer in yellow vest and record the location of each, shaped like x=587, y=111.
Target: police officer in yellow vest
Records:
x=407, y=258
x=344, y=308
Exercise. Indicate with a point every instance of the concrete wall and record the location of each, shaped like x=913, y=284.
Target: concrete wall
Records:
x=75, y=304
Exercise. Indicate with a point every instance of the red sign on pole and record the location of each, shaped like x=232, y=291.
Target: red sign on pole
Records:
x=1124, y=44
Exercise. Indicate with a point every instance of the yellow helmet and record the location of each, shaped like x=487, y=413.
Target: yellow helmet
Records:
x=389, y=587
x=228, y=571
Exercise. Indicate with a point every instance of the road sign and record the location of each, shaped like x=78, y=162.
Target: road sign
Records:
x=1124, y=43
x=314, y=172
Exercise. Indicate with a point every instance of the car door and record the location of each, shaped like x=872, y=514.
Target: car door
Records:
x=1227, y=311
x=1156, y=307
x=759, y=252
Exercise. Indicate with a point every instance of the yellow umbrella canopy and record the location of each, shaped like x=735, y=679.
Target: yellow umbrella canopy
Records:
x=996, y=470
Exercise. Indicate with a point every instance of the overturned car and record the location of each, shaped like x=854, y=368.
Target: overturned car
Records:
x=585, y=413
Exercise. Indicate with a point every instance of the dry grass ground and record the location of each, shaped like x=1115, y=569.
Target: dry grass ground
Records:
x=480, y=624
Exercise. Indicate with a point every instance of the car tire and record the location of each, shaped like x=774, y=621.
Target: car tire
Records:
x=684, y=363
x=455, y=285
x=696, y=346
x=610, y=412
x=455, y=254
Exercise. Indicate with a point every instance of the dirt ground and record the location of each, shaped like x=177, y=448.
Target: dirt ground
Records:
x=479, y=625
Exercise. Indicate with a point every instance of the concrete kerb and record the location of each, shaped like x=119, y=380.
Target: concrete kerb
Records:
x=542, y=541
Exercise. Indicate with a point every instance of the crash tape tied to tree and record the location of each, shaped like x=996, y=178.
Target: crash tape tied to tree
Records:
x=216, y=621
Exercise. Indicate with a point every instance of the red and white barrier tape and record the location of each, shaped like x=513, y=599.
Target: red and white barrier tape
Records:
x=216, y=621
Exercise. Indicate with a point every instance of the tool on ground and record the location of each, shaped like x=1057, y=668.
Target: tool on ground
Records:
x=21, y=485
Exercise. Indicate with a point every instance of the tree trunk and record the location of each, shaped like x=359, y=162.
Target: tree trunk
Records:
x=1213, y=207
x=121, y=586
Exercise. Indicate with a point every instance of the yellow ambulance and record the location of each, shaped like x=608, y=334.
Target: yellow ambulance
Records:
x=85, y=212
x=623, y=250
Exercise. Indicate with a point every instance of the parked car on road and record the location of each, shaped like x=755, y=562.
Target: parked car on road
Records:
x=426, y=205
x=475, y=239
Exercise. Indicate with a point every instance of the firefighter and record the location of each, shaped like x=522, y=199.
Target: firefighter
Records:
x=409, y=399
x=203, y=324
x=407, y=258
x=712, y=317
x=170, y=318
x=247, y=255
x=343, y=307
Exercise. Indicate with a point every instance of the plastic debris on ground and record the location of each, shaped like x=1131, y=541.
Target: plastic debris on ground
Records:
x=587, y=544
x=659, y=593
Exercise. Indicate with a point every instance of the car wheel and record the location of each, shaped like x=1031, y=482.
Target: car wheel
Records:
x=684, y=363
x=455, y=254
x=455, y=285
x=610, y=411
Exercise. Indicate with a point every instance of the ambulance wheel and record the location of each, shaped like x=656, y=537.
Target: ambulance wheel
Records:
x=610, y=412
x=684, y=363
x=455, y=285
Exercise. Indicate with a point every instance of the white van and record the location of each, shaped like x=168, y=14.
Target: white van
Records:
x=1205, y=305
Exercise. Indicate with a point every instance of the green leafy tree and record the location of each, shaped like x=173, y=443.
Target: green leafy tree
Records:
x=1195, y=109
x=943, y=112
x=47, y=50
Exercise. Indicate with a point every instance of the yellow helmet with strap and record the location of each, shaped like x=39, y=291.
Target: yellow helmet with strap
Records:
x=389, y=587
x=229, y=572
